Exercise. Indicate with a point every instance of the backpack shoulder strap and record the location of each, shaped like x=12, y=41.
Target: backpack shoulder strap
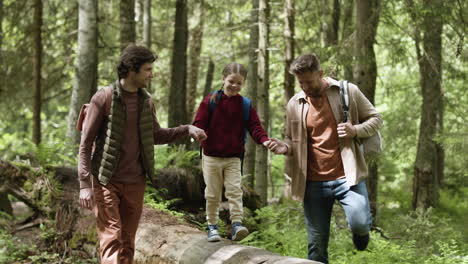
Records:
x=212, y=104
x=108, y=94
x=344, y=98
x=246, y=104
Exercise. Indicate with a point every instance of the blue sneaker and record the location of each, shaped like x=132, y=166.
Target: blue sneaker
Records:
x=238, y=231
x=213, y=234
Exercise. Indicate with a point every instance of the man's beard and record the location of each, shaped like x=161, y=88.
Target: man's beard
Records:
x=315, y=93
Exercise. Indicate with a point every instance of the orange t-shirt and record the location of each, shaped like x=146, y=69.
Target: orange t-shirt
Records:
x=323, y=148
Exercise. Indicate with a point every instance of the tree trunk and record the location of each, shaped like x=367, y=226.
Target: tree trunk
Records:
x=147, y=29
x=127, y=23
x=289, y=42
x=347, y=40
x=139, y=11
x=261, y=167
x=209, y=78
x=85, y=83
x=365, y=72
x=37, y=64
x=177, y=96
x=427, y=168
x=195, y=50
x=330, y=21
x=162, y=238
x=250, y=146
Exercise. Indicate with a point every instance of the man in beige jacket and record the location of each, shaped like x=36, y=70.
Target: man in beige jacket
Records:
x=324, y=156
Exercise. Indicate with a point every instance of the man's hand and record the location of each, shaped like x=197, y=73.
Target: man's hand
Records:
x=346, y=130
x=197, y=133
x=86, y=198
x=276, y=146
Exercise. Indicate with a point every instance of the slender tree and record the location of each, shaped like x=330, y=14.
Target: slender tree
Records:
x=85, y=82
x=127, y=22
x=196, y=40
x=177, y=97
x=347, y=40
x=37, y=65
x=428, y=167
x=250, y=147
x=365, y=71
x=289, y=44
x=209, y=78
x=261, y=167
x=147, y=28
x=5, y=205
x=330, y=21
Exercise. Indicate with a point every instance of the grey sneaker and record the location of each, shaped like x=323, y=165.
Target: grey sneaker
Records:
x=213, y=234
x=238, y=231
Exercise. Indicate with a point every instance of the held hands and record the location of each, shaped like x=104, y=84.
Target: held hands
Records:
x=276, y=146
x=346, y=130
x=86, y=198
x=196, y=133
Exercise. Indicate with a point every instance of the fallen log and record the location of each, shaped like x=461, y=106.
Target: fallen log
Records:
x=162, y=238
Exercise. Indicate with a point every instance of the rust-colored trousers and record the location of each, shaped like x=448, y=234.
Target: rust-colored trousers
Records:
x=117, y=209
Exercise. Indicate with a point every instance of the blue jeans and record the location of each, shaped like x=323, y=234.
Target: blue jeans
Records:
x=318, y=203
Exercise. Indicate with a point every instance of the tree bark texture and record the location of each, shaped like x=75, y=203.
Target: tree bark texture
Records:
x=127, y=23
x=209, y=78
x=428, y=159
x=261, y=167
x=177, y=96
x=252, y=79
x=347, y=40
x=195, y=51
x=172, y=241
x=85, y=82
x=147, y=29
x=365, y=72
x=37, y=65
x=289, y=45
x=330, y=21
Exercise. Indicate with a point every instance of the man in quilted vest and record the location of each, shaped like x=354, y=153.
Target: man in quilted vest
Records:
x=324, y=157
x=121, y=123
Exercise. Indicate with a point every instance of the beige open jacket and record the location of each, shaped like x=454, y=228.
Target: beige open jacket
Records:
x=362, y=115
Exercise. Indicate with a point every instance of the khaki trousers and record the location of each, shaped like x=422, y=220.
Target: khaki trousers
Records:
x=216, y=173
x=117, y=209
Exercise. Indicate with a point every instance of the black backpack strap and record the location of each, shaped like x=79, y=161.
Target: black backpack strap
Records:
x=344, y=98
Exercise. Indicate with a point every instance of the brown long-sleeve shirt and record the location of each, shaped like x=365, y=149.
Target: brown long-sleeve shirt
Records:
x=130, y=169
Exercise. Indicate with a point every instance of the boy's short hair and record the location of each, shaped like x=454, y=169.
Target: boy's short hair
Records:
x=305, y=63
x=133, y=56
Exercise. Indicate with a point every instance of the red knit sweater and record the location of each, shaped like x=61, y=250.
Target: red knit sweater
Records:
x=225, y=130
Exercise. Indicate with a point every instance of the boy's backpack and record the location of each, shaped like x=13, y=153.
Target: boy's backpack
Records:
x=371, y=145
x=84, y=108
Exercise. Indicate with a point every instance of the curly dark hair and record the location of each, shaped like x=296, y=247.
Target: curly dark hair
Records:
x=305, y=63
x=133, y=56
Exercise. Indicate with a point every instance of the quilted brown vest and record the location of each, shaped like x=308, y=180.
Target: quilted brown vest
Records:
x=108, y=143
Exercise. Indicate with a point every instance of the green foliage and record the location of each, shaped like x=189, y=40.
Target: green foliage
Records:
x=175, y=157
x=420, y=237
x=154, y=199
x=10, y=249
